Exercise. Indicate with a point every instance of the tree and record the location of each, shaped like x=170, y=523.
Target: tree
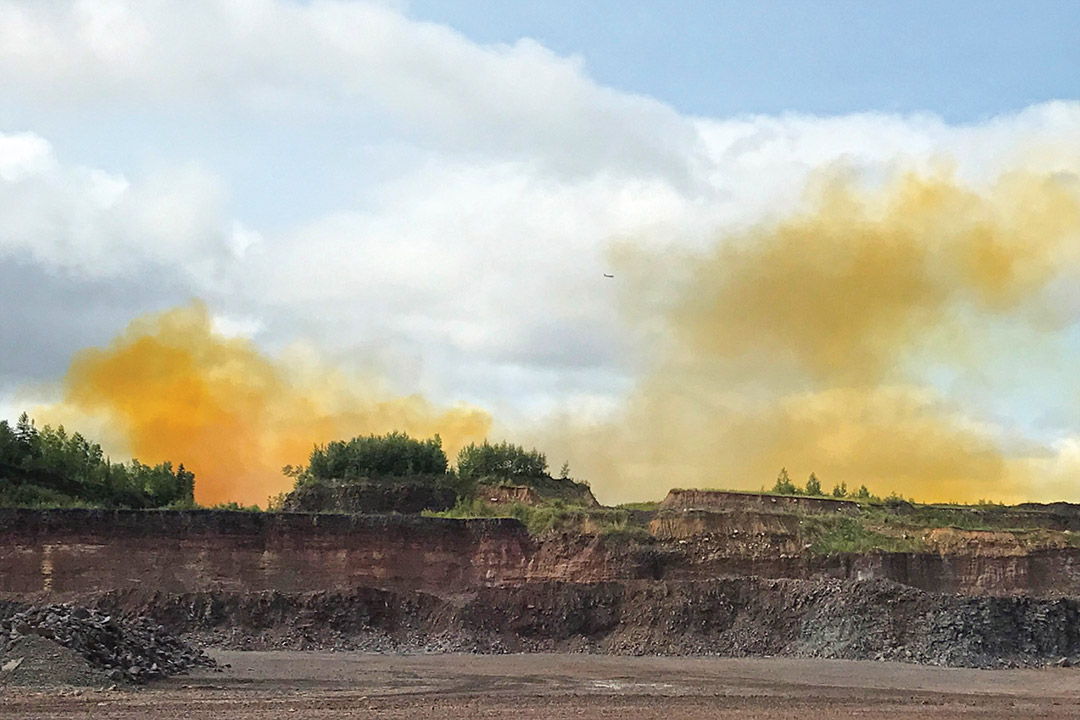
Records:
x=862, y=493
x=392, y=455
x=840, y=491
x=9, y=444
x=26, y=433
x=501, y=460
x=813, y=486
x=564, y=472
x=276, y=503
x=783, y=485
x=185, y=482
x=50, y=467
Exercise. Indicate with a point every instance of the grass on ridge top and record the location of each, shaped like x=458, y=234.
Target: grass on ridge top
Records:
x=889, y=525
x=554, y=516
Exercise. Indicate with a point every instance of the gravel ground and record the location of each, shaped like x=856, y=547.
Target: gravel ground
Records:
x=34, y=661
x=447, y=686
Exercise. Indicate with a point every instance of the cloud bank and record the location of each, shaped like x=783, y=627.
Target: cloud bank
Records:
x=789, y=289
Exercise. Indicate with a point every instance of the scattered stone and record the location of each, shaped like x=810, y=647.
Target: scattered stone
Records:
x=134, y=650
x=44, y=663
x=728, y=616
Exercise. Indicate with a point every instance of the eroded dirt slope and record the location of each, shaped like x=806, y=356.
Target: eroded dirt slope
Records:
x=730, y=617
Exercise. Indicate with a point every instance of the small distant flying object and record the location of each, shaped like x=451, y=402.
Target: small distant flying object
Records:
x=610, y=276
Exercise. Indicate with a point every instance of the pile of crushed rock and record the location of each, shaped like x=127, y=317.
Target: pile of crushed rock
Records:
x=65, y=644
x=730, y=616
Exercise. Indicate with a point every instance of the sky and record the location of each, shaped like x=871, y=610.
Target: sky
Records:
x=961, y=61
x=430, y=193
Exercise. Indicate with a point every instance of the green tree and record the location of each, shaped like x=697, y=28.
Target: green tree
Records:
x=813, y=486
x=501, y=460
x=276, y=503
x=25, y=431
x=9, y=444
x=185, y=482
x=783, y=485
x=392, y=455
x=49, y=466
x=840, y=491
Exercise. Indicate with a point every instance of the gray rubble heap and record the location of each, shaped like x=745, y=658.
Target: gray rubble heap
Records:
x=134, y=650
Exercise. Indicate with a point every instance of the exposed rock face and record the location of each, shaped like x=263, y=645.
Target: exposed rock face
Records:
x=508, y=494
x=402, y=495
x=752, y=533
x=65, y=554
x=535, y=491
x=732, y=616
x=739, y=582
x=725, y=501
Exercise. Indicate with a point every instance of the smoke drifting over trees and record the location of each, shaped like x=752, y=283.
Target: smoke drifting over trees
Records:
x=171, y=387
x=863, y=336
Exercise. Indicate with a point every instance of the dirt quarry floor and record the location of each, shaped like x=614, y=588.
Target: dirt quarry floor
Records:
x=344, y=685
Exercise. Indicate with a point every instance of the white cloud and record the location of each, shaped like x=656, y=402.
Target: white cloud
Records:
x=499, y=265
x=350, y=59
x=93, y=222
x=484, y=259
x=23, y=154
x=236, y=326
x=478, y=271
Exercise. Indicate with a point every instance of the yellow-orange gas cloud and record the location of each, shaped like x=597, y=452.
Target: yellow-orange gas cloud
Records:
x=868, y=336
x=840, y=290
x=820, y=342
x=172, y=388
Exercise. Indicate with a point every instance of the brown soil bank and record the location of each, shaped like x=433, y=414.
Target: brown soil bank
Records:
x=877, y=620
x=66, y=554
x=63, y=554
x=724, y=500
x=733, y=583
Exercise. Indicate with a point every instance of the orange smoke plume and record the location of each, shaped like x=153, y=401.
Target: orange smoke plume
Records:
x=170, y=388
x=832, y=341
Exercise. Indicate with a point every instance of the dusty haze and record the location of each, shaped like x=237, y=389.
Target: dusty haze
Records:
x=813, y=342
x=817, y=341
x=170, y=388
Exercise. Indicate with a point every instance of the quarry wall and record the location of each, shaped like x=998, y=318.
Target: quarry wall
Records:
x=64, y=554
x=724, y=500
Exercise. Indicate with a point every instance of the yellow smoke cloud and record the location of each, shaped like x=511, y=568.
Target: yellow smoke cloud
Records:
x=813, y=342
x=810, y=342
x=841, y=290
x=170, y=388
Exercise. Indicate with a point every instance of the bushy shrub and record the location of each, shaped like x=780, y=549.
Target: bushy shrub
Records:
x=233, y=506
x=501, y=460
x=373, y=456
